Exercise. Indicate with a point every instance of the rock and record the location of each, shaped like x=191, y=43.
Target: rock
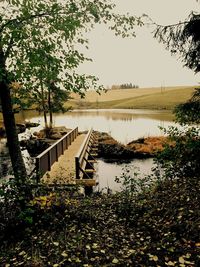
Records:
x=39, y=142
x=54, y=133
x=40, y=134
x=36, y=146
x=62, y=130
x=31, y=124
x=21, y=128
x=23, y=143
x=56, y=136
x=109, y=148
x=112, y=150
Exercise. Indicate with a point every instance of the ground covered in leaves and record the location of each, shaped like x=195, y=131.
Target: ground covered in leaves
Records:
x=160, y=227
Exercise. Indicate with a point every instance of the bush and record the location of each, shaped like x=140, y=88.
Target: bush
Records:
x=180, y=159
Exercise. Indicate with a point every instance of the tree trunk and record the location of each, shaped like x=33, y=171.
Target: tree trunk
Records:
x=18, y=165
x=43, y=105
x=50, y=109
x=45, y=118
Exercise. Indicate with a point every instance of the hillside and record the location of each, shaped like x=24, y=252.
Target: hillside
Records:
x=146, y=98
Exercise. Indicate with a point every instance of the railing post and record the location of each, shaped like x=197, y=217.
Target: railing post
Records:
x=49, y=160
x=74, y=134
x=77, y=167
x=70, y=138
x=56, y=152
x=37, y=163
x=62, y=144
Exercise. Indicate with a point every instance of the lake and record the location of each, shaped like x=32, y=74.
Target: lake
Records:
x=124, y=125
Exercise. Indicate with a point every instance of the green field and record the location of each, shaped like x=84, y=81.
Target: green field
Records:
x=144, y=98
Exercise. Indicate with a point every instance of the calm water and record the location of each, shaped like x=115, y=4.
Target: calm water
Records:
x=123, y=125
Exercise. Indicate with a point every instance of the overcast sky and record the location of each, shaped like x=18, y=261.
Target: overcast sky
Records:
x=141, y=60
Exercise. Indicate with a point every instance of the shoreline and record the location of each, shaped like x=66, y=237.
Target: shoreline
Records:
x=108, y=148
x=142, y=148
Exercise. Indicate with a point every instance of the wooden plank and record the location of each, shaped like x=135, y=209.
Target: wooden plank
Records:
x=89, y=170
x=94, y=154
x=86, y=182
x=91, y=161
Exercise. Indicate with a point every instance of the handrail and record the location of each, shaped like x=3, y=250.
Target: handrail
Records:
x=45, y=160
x=80, y=156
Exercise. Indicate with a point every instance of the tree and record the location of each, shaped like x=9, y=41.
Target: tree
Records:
x=189, y=112
x=46, y=89
x=183, y=39
x=57, y=24
x=180, y=160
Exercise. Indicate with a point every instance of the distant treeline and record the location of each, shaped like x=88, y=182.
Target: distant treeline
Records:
x=124, y=86
x=128, y=85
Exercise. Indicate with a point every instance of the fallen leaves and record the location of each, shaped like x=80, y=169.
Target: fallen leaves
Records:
x=108, y=231
x=115, y=261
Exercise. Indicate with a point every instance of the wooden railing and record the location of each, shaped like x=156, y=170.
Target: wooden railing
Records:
x=85, y=157
x=46, y=159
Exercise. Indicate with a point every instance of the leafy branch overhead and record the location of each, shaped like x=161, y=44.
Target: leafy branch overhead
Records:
x=56, y=27
x=183, y=38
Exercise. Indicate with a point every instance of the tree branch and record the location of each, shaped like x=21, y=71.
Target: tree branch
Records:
x=9, y=46
x=31, y=17
x=170, y=25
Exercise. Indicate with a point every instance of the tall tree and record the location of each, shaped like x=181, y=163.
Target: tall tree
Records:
x=183, y=39
x=60, y=24
x=181, y=160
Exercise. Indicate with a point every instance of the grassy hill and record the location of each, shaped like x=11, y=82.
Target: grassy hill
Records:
x=146, y=98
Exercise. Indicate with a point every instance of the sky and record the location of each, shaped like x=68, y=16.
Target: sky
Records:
x=141, y=60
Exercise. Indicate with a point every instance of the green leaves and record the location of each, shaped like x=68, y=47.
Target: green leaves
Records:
x=38, y=41
x=180, y=159
x=188, y=112
x=183, y=39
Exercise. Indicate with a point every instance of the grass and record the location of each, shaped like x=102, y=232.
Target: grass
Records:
x=144, y=98
x=150, y=145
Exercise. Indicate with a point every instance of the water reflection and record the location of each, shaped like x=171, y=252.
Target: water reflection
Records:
x=5, y=161
x=107, y=172
x=124, y=125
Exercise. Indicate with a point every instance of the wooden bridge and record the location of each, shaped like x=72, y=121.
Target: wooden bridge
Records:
x=70, y=160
